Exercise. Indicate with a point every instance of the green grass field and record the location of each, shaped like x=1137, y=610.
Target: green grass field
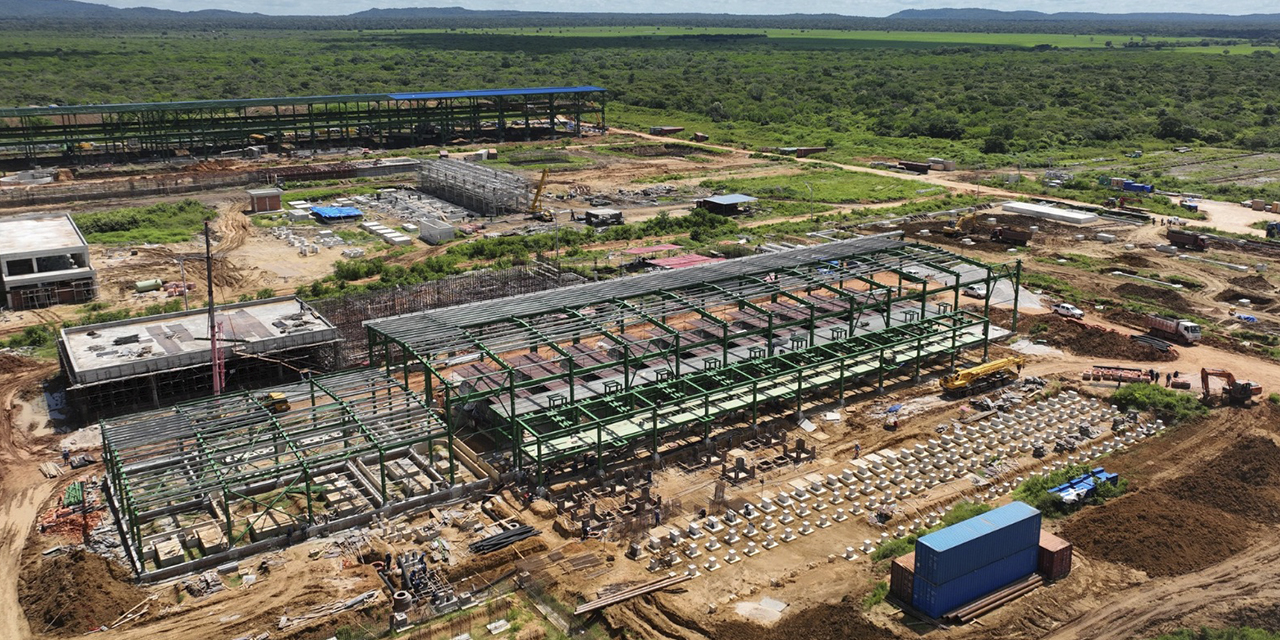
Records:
x=848, y=39
x=828, y=185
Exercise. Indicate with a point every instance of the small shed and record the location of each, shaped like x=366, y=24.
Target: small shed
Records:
x=726, y=205
x=435, y=231
x=263, y=200
x=602, y=217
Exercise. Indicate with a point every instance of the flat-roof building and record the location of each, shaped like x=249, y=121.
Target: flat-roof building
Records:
x=726, y=205
x=44, y=260
x=143, y=363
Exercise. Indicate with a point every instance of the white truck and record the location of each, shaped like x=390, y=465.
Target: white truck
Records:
x=1182, y=331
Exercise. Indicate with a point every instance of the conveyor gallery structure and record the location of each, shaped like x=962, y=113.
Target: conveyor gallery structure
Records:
x=543, y=386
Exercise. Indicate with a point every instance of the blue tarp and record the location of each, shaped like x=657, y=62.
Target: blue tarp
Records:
x=336, y=213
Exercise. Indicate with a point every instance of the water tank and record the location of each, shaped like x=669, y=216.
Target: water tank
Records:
x=143, y=286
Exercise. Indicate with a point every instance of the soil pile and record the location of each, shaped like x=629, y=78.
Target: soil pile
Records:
x=1191, y=522
x=1243, y=480
x=830, y=621
x=1156, y=533
x=1134, y=260
x=13, y=363
x=1252, y=283
x=1232, y=295
x=76, y=593
x=1167, y=298
x=1095, y=342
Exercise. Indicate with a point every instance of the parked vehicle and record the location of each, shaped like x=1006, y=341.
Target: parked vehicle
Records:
x=1186, y=239
x=1068, y=310
x=1183, y=331
x=1009, y=235
x=975, y=291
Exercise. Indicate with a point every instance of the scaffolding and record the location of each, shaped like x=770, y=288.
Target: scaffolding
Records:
x=481, y=189
x=226, y=471
x=610, y=368
x=92, y=132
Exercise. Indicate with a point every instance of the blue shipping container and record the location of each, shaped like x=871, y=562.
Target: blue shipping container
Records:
x=963, y=547
x=937, y=599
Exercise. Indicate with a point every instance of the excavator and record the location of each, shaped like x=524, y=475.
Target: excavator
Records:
x=1236, y=392
x=535, y=206
x=990, y=375
x=960, y=226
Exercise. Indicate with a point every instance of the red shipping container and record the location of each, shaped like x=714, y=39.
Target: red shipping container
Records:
x=902, y=577
x=1055, y=557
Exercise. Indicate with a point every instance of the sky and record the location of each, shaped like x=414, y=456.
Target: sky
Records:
x=843, y=7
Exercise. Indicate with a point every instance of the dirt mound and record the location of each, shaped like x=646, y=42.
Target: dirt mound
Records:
x=1167, y=298
x=76, y=593
x=1231, y=295
x=1252, y=283
x=12, y=363
x=1091, y=341
x=1159, y=534
x=1265, y=616
x=1134, y=260
x=830, y=621
x=1243, y=480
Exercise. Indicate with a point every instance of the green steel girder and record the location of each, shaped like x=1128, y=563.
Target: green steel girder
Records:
x=793, y=363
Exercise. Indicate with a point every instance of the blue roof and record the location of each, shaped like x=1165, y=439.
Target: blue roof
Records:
x=978, y=526
x=296, y=100
x=488, y=93
x=337, y=212
x=732, y=198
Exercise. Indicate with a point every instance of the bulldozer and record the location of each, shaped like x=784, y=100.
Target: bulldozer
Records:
x=275, y=402
x=960, y=226
x=983, y=377
x=1234, y=392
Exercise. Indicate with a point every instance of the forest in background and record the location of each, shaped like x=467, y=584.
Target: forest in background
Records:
x=982, y=105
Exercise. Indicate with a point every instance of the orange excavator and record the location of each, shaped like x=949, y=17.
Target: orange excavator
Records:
x=1236, y=392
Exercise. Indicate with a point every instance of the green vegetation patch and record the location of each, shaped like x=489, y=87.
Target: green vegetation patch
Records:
x=156, y=224
x=1035, y=491
x=825, y=185
x=1230, y=633
x=1172, y=406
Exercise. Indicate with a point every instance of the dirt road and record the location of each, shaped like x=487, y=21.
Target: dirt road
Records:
x=22, y=488
x=1233, y=218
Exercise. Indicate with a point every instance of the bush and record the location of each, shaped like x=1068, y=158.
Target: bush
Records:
x=159, y=223
x=37, y=336
x=1173, y=407
x=1035, y=491
x=877, y=595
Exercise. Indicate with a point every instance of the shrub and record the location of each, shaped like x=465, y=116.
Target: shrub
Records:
x=1274, y=398
x=877, y=595
x=1171, y=406
x=159, y=223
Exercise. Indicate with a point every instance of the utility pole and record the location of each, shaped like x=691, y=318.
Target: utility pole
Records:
x=213, y=329
x=182, y=269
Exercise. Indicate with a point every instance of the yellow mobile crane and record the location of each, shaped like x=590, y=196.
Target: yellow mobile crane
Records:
x=535, y=206
x=990, y=375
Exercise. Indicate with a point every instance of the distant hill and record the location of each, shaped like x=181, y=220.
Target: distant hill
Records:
x=992, y=15
x=71, y=9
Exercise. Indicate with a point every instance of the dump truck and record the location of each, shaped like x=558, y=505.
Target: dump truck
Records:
x=1009, y=235
x=983, y=377
x=1236, y=392
x=1186, y=240
x=1183, y=331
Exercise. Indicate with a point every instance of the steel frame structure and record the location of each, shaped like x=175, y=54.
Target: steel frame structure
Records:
x=389, y=119
x=193, y=456
x=599, y=366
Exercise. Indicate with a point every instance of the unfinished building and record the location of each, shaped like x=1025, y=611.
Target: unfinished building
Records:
x=228, y=476
x=89, y=133
x=484, y=190
x=144, y=363
x=629, y=370
x=44, y=260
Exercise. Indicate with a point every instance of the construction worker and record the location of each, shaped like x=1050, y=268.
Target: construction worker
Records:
x=66, y=456
x=1168, y=379
x=857, y=450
